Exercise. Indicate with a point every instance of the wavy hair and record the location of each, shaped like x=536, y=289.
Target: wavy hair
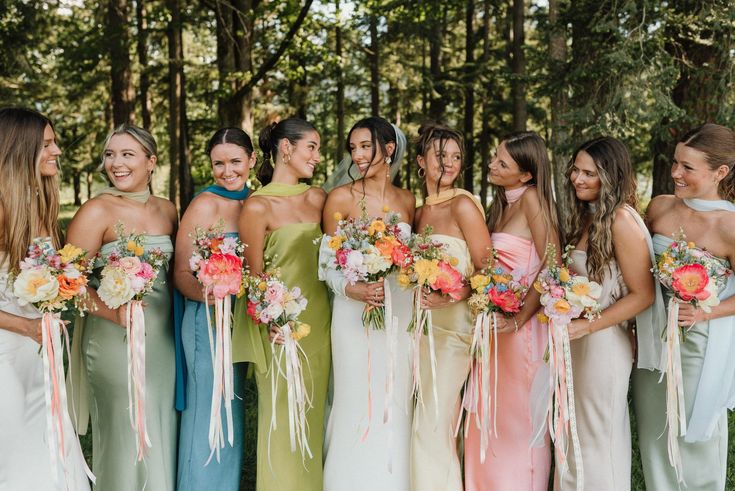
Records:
x=718, y=144
x=617, y=188
x=29, y=201
x=431, y=132
x=528, y=150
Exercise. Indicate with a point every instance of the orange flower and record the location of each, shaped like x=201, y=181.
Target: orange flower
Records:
x=70, y=287
x=385, y=245
x=690, y=282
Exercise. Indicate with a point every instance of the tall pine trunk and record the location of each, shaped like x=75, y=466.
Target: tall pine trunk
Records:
x=142, y=48
x=374, y=62
x=469, y=97
x=559, y=104
x=118, y=37
x=518, y=85
x=340, y=102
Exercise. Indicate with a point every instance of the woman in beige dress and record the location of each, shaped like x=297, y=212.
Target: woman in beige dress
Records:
x=612, y=247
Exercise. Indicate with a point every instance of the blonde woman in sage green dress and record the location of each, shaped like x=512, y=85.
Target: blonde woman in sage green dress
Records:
x=457, y=220
x=99, y=359
x=280, y=222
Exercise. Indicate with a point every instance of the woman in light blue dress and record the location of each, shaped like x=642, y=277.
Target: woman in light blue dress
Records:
x=232, y=156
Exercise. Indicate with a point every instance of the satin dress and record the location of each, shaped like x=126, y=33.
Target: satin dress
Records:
x=103, y=348
x=25, y=463
x=510, y=462
x=363, y=451
x=704, y=462
x=194, y=451
x=434, y=461
x=601, y=365
x=292, y=249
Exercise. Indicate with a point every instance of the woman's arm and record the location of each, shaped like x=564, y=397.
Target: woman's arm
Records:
x=632, y=256
x=86, y=230
x=21, y=325
x=200, y=213
x=252, y=227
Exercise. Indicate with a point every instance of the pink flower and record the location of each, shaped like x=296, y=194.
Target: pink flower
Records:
x=342, y=256
x=130, y=264
x=506, y=301
x=401, y=255
x=252, y=312
x=146, y=271
x=449, y=281
x=223, y=272
x=690, y=282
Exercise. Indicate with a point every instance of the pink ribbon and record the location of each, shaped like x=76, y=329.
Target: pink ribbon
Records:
x=135, y=327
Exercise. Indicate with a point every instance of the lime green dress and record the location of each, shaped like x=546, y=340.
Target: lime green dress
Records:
x=293, y=250
x=100, y=359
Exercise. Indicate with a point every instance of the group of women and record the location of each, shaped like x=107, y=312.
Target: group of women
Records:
x=365, y=433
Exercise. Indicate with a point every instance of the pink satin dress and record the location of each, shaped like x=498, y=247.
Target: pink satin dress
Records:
x=510, y=462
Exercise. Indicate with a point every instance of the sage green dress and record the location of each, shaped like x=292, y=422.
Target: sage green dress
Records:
x=293, y=250
x=104, y=363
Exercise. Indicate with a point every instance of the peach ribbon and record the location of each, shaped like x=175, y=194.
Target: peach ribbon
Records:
x=135, y=328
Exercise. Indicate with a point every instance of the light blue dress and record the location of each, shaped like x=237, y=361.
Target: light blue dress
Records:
x=194, y=450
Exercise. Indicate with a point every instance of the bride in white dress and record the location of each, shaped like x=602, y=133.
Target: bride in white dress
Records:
x=28, y=208
x=367, y=442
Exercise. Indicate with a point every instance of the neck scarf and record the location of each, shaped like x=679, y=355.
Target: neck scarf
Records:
x=280, y=189
x=139, y=196
x=220, y=191
x=449, y=194
x=513, y=195
x=709, y=205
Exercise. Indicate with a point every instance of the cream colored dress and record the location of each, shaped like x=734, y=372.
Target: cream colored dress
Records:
x=601, y=364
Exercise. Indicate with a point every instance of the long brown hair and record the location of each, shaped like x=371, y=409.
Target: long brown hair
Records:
x=718, y=144
x=431, y=132
x=617, y=188
x=528, y=150
x=29, y=201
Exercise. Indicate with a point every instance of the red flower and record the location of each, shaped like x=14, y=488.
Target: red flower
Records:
x=690, y=282
x=401, y=256
x=449, y=281
x=251, y=310
x=506, y=301
x=342, y=256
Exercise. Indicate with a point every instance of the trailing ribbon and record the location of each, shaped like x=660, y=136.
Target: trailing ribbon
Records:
x=220, y=346
x=423, y=317
x=675, y=409
x=297, y=396
x=391, y=339
x=560, y=410
x=52, y=329
x=135, y=328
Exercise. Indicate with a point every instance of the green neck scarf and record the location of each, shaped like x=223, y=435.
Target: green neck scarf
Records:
x=280, y=189
x=140, y=196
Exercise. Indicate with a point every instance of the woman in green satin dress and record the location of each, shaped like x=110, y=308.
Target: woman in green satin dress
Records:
x=280, y=223
x=99, y=359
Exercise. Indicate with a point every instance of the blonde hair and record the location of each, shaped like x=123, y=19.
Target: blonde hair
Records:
x=617, y=188
x=29, y=201
x=140, y=135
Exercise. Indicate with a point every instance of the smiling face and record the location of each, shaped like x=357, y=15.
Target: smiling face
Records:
x=505, y=172
x=693, y=177
x=126, y=163
x=361, y=150
x=303, y=155
x=231, y=165
x=48, y=161
x=451, y=159
x=585, y=177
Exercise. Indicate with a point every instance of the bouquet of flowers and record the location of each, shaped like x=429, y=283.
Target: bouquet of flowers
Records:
x=368, y=249
x=128, y=276
x=693, y=276
x=429, y=267
x=273, y=304
x=495, y=291
x=54, y=281
x=564, y=296
x=217, y=262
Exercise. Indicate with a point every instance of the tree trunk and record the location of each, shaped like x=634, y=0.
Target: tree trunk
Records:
x=518, y=87
x=180, y=183
x=118, y=38
x=469, y=97
x=340, y=103
x=559, y=104
x=437, y=102
x=77, y=183
x=374, y=62
x=485, y=130
x=143, y=98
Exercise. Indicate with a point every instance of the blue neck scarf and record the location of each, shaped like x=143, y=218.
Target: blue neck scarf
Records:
x=220, y=191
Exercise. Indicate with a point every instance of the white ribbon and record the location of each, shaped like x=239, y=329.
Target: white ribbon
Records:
x=135, y=328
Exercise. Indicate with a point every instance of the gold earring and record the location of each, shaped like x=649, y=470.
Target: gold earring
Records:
x=421, y=172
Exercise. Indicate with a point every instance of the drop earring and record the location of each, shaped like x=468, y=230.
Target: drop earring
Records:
x=421, y=172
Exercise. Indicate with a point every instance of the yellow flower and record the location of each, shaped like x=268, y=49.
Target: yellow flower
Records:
x=300, y=330
x=335, y=242
x=562, y=306
x=582, y=288
x=404, y=280
x=386, y=209
x=691, y=245
x=337, y=216
x=453, y=261
x=479, y=281
x=376, y=226
x=564, y=275
x=426, y=270
x=501, y=279
x=139, y=250
x=541, y=317
x=262, y=286
x=70, y=252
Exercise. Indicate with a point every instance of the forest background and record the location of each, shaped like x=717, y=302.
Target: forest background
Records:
x=641, y=70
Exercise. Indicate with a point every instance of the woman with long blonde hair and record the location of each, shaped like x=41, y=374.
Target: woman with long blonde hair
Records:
x=29, y=208
x=613, y=248
x=522, y=220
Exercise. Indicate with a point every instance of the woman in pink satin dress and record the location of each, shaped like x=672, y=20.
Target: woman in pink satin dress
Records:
x=522, y=220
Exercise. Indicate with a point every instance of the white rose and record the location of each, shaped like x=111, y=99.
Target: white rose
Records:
x=583, y=293
x=115, y=288
x=35, y=285
x=376, y=262
x=712, y=300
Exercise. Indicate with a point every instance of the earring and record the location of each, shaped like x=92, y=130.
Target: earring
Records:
x=421, y=172
x=388, y=160
x=287, y=159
